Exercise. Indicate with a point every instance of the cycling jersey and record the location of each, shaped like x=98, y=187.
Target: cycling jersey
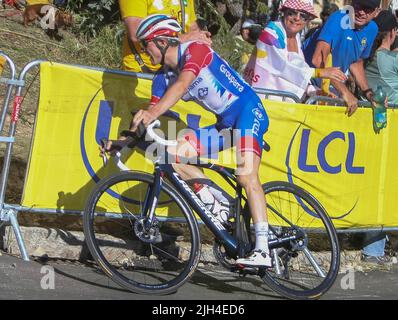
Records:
x=144, y=8
x=219, y=89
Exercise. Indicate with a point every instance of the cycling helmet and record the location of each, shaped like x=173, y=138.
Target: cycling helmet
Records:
x=158, y=26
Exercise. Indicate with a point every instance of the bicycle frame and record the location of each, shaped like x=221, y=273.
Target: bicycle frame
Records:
x=234, y=245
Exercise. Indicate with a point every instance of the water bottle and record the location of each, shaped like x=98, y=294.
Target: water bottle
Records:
x=380, y=112
x=219, y=210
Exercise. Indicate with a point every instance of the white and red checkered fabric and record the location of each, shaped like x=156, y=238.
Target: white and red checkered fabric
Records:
x=302, y=5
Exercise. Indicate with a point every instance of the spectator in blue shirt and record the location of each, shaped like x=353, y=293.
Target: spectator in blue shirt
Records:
x=349, y=38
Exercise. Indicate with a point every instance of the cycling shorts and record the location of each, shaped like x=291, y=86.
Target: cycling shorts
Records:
x=240, y=126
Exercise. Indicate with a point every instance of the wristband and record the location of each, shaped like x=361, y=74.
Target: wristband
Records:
x=317, y=73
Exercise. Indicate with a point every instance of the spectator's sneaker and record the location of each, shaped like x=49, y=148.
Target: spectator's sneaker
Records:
x=381, y=260
x=257, y=258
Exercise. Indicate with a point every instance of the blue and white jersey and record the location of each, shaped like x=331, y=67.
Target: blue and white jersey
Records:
x=217, y=86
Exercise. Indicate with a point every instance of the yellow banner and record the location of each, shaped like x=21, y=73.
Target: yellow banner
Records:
x=340, y=160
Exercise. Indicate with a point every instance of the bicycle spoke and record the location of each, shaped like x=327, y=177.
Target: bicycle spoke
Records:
x=305, y=267
x=140, y=256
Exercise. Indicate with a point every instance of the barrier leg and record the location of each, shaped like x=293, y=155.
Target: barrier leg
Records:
x=11, y=216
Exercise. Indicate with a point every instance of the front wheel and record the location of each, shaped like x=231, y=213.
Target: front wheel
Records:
x=307, y=267
x=143, y=258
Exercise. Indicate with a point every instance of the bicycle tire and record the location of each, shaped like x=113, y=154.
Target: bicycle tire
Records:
x=278, y=283
x=118, y=273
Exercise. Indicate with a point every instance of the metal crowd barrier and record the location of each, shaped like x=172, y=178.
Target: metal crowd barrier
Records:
x=340, y=102
x=9, y=212
x=277, y=93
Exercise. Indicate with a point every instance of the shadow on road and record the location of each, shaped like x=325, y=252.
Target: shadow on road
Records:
x=200, y=278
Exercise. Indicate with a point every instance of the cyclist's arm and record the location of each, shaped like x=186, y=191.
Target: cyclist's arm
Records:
x=173, y=94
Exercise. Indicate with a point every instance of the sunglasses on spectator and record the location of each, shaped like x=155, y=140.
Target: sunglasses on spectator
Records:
x=303, y=16
x=367, y=10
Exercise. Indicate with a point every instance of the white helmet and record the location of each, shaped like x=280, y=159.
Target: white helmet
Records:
x=158, y=25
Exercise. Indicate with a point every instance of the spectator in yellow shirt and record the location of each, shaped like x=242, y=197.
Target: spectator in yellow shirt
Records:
x=133, y=12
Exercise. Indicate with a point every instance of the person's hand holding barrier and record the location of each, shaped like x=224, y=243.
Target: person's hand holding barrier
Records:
x=351, y=102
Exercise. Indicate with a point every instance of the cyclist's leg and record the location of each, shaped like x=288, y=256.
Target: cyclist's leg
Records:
x=204, y=141
x=253, y=123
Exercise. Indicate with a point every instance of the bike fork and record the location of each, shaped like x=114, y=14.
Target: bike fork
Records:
x=152, y=197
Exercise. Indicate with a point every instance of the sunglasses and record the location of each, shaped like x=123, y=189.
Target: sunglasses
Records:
x=303, y=16
x=367, y=10
x=144, y=43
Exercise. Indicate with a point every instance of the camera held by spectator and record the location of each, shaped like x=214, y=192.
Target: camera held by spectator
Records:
x=250, y=31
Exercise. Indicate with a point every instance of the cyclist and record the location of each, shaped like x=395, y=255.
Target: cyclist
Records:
x=193, y=71
x=134, y=58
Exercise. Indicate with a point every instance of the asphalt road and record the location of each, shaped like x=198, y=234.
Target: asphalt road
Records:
x=31, y=281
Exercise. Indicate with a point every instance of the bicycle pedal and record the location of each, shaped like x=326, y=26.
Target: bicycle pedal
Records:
x=245, y=270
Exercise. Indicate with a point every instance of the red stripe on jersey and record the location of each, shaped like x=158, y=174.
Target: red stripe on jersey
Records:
x=197, y=56
x=249, y=144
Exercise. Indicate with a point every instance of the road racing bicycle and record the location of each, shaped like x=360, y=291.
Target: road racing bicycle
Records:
x=143, y=230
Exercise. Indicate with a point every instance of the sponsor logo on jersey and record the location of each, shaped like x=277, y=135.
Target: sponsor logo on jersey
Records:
x=203, y=92
x=231, y=78
x=195, y=83
x=259, y=115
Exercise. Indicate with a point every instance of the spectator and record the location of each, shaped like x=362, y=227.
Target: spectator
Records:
x=349, y=46
x=278, y=62
x=382, y=66
x=382, y=70
x=327, y=11
x=133, y=12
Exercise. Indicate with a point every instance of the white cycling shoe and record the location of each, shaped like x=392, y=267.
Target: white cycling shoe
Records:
x=257, y=258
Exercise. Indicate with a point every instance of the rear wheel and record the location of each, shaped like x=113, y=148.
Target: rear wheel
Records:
x=307, y=267
x=154, y=259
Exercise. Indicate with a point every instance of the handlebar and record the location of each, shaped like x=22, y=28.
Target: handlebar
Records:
x=156, y=137
x=132, y=139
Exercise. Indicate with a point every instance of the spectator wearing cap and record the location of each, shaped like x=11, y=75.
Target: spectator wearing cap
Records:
x=382, y=65
x=278, y=62
x=349, y=38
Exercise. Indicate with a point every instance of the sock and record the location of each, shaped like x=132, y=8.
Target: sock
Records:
x=261, y=229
